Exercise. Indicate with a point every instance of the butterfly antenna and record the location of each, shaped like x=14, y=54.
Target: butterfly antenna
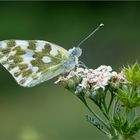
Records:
x=92, y=33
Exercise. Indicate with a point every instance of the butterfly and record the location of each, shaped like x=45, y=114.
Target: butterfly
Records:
x=31, y=62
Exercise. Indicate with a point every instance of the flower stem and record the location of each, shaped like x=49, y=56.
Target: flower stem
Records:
x=101, y=108
x=110, y=103
x=94, y=114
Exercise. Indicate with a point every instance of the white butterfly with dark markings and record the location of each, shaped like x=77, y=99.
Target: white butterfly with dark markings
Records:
x=35, y=61
x=32, y=62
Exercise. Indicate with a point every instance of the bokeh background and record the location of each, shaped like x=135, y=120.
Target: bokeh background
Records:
x=47, y=111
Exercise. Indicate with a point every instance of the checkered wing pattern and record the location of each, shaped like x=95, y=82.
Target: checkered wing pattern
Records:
x=32, y=61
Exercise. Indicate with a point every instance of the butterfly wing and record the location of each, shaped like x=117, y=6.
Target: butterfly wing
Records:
x=32, y=62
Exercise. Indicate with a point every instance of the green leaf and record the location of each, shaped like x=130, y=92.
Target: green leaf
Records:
x=124, y=128
x=115, y=138
x=135, y=126
x=129, y=96
x=95, y=122
x=132, y=138
x=117, y=109
x=137, y=119
x=130, y=115
x=132, y=74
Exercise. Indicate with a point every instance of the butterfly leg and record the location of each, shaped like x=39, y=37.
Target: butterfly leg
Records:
x=82, y=64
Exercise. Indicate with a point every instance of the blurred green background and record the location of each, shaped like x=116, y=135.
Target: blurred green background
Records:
x=47, y=111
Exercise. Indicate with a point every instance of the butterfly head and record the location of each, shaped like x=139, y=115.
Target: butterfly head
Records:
x=74, y=53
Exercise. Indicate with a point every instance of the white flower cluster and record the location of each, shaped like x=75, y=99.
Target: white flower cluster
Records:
x=98, y=78
x=92, y=79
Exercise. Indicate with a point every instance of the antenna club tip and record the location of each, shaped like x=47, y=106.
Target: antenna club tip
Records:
x=101, y=25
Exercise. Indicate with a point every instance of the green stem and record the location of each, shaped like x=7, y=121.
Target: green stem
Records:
x=101, y=108
x=105, y=113
x=107, y=110
x=105, y=107
x=104, y=103
x=85, y=103
x=114, y=107
x=111, y=101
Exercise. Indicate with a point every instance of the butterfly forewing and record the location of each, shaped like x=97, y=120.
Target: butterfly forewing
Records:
x=33, y=61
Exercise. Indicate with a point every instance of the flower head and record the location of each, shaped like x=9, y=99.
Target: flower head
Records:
x=90, y=80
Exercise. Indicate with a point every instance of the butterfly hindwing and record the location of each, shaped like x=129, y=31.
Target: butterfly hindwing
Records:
x=33, y=61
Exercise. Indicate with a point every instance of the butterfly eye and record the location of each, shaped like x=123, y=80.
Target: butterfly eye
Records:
x=78, y=51
x=75, y=52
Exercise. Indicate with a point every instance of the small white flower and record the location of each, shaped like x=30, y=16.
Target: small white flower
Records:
x=121, y=77
x=86, y=71
x=100, y=77
x=71, y=74
x=114, y=73
x=61, y=78
x=104, y=68
x=84, y=83
x=79, y=70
